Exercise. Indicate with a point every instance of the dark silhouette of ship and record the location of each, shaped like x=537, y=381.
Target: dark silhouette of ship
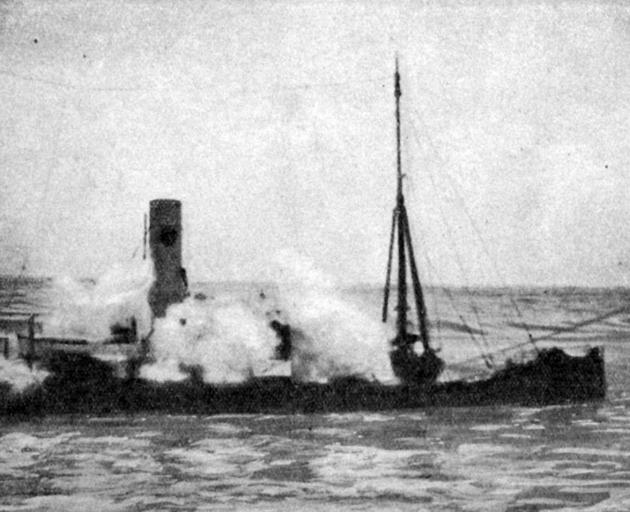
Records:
x=81, y=379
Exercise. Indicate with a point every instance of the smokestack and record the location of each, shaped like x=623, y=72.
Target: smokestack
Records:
x=165, y=242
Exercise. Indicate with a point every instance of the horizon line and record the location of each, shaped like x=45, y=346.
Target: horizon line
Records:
x=358, y=284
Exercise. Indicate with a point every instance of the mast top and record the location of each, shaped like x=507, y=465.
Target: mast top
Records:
x=399, y=196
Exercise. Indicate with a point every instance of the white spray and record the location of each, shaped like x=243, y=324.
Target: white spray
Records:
x=18, y=375
x=224, y=338
x=333, y=337
x=88, y=310
x=230, y=339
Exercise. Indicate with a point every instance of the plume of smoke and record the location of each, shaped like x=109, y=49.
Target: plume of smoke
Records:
x=332, y=336
x=88, y=309
x=227, y=339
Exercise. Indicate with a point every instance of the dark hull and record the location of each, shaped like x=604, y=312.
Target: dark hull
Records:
x=81, y=384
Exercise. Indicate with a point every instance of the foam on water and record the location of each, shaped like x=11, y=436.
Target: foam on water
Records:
x=219, y=457
x=309, y=461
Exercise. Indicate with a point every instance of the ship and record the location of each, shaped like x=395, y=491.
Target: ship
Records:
x=103, y=377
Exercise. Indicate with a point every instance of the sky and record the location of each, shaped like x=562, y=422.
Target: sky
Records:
x=273, y=122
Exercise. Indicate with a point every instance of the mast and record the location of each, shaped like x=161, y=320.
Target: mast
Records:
x=401, y=318
x=417, y=289
x=402, y=233
x=388, y=276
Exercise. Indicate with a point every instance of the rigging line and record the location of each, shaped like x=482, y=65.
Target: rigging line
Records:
x=474, y=306
x=390, y=254
x=463, y=273
x=430, y=266
x=574, y=327
x=421, y=309
x=68, y=85
x=314, y=85
x=478, y=233
x=461, y=203
x=429, y=275
x=484, y=355
x=233, y=85
x=559, y=331
x=484, y=349
x=427, y=278
x=452, y=248
x=485, y=344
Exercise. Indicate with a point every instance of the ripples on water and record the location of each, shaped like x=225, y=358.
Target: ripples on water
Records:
x=453, y=459
x=490, y=459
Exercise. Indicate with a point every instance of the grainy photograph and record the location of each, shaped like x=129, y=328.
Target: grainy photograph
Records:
x=314, y=255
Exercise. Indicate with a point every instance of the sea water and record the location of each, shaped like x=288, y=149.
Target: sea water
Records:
x=573, y=457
